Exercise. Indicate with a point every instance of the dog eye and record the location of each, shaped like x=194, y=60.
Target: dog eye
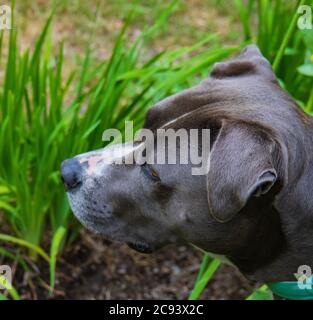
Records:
x=150, y=172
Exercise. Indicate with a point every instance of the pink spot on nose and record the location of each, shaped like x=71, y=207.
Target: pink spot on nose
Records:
x=92, y=161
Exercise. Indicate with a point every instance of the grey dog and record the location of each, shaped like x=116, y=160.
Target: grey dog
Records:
x=254, y=206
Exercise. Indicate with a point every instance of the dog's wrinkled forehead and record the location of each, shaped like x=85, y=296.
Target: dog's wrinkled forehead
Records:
x=228, y=82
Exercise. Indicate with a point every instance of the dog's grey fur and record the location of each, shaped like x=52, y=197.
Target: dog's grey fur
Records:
x=255, y=204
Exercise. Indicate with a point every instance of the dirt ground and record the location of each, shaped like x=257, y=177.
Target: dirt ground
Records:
x=107, y=270
x=95, y=268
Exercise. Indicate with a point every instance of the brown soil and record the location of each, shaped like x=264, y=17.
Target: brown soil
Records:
x=94, y=268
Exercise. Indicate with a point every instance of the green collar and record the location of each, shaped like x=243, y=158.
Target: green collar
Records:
x=290, y=290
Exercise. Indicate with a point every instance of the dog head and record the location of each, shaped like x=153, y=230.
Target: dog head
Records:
x=232, y=209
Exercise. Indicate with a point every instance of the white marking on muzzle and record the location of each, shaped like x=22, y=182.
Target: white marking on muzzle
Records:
x=113, y=154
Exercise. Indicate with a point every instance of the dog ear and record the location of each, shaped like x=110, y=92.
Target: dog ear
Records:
x=250, y=61
x=241, y=166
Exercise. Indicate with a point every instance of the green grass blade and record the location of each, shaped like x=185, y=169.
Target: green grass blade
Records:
x=203, y=281
x=262, y=293
x=26, y=244
x=55, y=247
x=286, y=39
x=204, y=265
x=12, y=291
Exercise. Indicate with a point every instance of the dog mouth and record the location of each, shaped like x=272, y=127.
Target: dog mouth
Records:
x=140, y=247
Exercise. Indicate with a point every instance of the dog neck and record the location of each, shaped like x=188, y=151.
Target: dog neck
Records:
x=262, y=246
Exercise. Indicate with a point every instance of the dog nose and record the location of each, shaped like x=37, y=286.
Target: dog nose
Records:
x=71, y=173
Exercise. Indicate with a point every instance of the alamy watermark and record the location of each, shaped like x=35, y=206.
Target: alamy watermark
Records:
x=5, y=17
x=161, y=146
x=305, y=20
x=304, y=277
x=5, y=277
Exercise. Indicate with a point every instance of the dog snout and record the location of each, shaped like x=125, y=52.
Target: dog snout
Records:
x=71, y=174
